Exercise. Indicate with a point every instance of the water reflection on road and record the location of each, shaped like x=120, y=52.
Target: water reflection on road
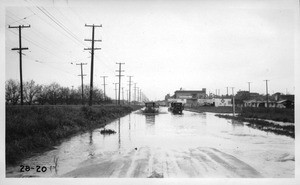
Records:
x=187, y=145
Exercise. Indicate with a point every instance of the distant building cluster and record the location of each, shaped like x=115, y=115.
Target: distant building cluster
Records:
x=195, y=98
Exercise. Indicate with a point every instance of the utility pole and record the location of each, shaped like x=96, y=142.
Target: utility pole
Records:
x=227, y=91
x=115, y=91
x=267, y=93
x=129, y=96
x=137, y=95
x=249, y=86
x=119, y=75
x=123, y=95
x=20, y=55
x=81, y=80
x=104, y=84
x=233, y=102
x=92, y=58
x=140, y=95
x=134, y=91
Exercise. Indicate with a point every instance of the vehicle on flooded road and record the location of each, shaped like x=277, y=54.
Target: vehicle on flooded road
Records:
x=151, y=107
x=176, y=107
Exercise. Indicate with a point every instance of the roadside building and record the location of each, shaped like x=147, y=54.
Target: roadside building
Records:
x=217, y=102
x=190, y=96
x=285, y=104
x=258, y=103
x=225, y=102
x=206, y=102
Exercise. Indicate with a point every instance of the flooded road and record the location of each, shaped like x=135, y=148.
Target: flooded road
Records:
x=167, y=145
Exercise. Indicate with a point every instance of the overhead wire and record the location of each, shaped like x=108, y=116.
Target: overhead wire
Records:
x=38, y=45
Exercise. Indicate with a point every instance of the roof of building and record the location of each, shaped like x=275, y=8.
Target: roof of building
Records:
x=192, y=91
x=257, y=101
x=281, y=101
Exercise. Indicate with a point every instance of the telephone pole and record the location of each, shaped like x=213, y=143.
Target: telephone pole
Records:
x=233, y=102
x=92, y=58
x=267, y=93
x=123, y=95
x=227, y=91
x=140, y=95
x=249, y=86
x=119, y=75
x=129, y=96
x=115, y=91
x=82, y=101
x=104, y=84
x=20, y=54
x=137, y=95
x=134, y=91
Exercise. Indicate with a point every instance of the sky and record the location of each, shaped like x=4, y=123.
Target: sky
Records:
x=165, y=45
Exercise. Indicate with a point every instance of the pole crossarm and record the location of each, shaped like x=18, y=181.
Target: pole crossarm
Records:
x=19, y=48
x=21, y=26
x=92, y=49
x=92, y=40
x=93, y=25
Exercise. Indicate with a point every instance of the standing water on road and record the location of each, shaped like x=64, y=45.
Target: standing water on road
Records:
x=167, y=145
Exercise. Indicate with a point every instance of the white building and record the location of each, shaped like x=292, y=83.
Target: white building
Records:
x=225, y=102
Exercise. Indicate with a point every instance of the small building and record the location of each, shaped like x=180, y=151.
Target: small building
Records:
x=225, y=102
x=190, y=96
x=205, y=102
x=285, y=104
x=257, y=103
x=217, y=102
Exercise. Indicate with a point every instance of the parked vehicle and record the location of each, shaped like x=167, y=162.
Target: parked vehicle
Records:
x=176, y=107
x=151, y=107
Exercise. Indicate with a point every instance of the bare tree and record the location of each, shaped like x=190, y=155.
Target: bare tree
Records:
x=12, y=92
x=31, y=90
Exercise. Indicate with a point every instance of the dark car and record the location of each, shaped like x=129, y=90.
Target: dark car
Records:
x=176, y=107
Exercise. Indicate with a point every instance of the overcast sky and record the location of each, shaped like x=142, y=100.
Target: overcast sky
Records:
x=165, y=45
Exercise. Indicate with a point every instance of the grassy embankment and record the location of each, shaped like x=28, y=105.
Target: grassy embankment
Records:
x=253, y=116
x=33, y=129
x=213, y=109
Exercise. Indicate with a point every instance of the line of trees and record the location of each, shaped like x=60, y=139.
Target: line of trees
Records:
x=52, y=94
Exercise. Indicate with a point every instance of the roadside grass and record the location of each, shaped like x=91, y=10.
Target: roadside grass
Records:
x=221, y=109
x=33, y=129
x=287, y=130
x=275, y=114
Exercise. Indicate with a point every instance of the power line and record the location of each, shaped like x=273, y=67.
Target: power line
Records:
x=37, y=33
x=39, y=46
x=59, y=24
